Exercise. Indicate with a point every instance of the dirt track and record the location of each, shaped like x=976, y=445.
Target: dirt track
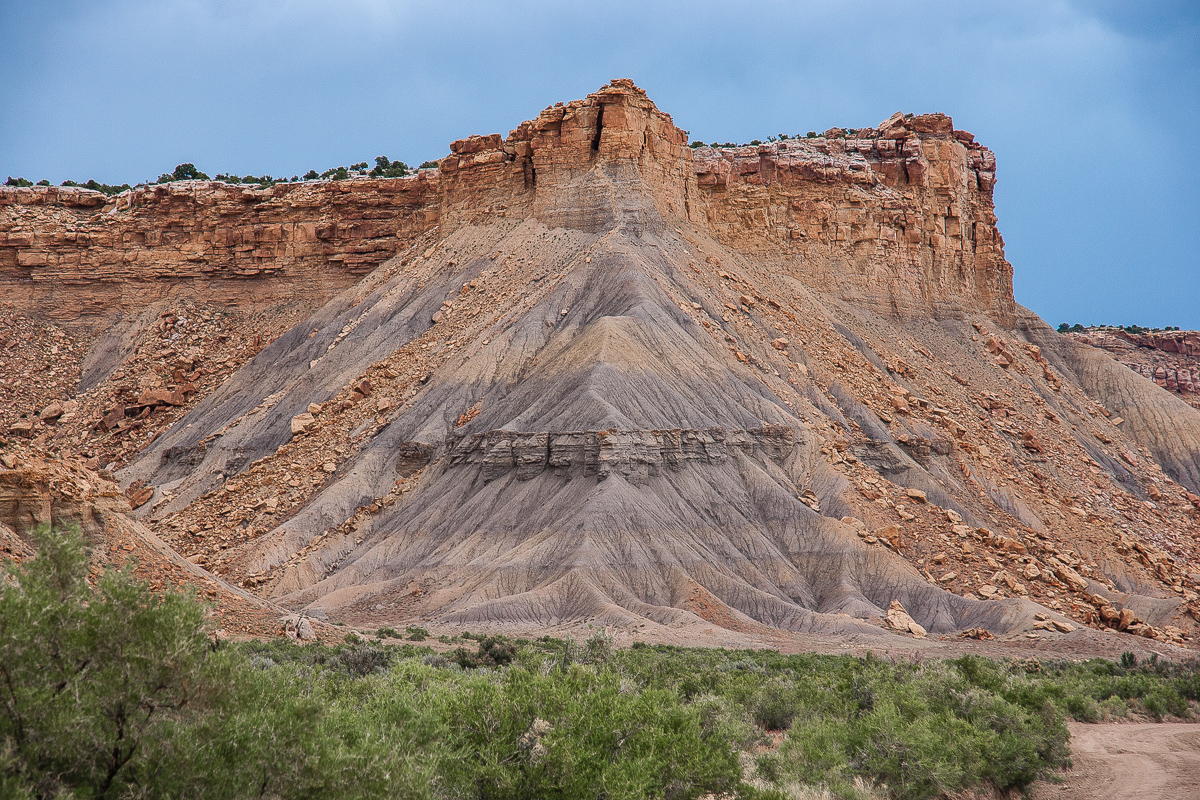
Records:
x=1117, y=762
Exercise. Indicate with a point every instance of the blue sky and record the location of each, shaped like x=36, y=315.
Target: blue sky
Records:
x=1093, y=108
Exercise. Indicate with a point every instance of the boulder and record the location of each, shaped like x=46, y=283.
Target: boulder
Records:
x=302, y=422
x=899, y=620
x=51, y=412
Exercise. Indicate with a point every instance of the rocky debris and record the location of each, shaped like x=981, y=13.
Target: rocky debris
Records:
x=1043, y=622
x=138, y=494
x=169, y=361
x=899, y=620
x=979, y=634
x=298, y=627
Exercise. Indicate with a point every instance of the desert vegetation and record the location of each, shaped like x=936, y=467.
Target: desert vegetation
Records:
x=1135, y=329
x=110, y=690
x=384, y=168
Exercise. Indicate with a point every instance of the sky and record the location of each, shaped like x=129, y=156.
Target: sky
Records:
x=1092, y=107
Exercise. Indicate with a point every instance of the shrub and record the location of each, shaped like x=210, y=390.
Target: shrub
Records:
x=388, y=169
x=494, y=651
x=416, y=633
x=361, y=660
x=89, y=673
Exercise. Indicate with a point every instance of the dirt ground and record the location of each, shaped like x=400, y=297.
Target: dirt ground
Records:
x=1119, y=762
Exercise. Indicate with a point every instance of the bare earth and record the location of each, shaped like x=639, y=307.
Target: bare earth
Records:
x=1117, y=762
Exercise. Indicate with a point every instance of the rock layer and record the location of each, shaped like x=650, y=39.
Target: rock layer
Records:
x=74, y=254
x=1169, y=358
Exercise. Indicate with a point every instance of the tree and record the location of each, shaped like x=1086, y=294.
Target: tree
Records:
x=385, y=168
x=85, y=673
x=1064, y=328
x=188, y=172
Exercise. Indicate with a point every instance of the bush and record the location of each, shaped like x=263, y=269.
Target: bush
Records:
x=89, y=673
x=416, y=633
x=388, y=169
x=494, y=651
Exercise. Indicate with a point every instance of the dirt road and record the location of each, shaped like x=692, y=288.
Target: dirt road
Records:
x=1119, y=762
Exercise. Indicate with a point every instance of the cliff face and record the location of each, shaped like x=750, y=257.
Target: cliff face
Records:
x=1169, y=358
x=73, y=254
x=898, y=219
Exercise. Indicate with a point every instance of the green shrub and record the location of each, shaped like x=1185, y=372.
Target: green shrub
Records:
x=89, y=673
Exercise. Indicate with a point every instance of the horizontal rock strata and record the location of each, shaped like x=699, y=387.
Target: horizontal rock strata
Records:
x=634, y=454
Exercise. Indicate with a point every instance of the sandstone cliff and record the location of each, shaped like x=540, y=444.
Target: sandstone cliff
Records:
x=770, y=389
x=71, y=254
x=1169, y=358
x=898, y=218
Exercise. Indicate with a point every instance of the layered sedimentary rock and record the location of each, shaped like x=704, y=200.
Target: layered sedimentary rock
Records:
x=68, y=254
x=780, y=388
x=634, y=455
x=898, y=218
x=1169, y=358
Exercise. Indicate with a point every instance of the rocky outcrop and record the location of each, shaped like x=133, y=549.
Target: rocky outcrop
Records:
x=898, y=219
x=72, y=254
x=634, y=455
x=1169, y=358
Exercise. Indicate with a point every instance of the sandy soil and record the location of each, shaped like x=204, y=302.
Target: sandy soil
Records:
x=1117, y=762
